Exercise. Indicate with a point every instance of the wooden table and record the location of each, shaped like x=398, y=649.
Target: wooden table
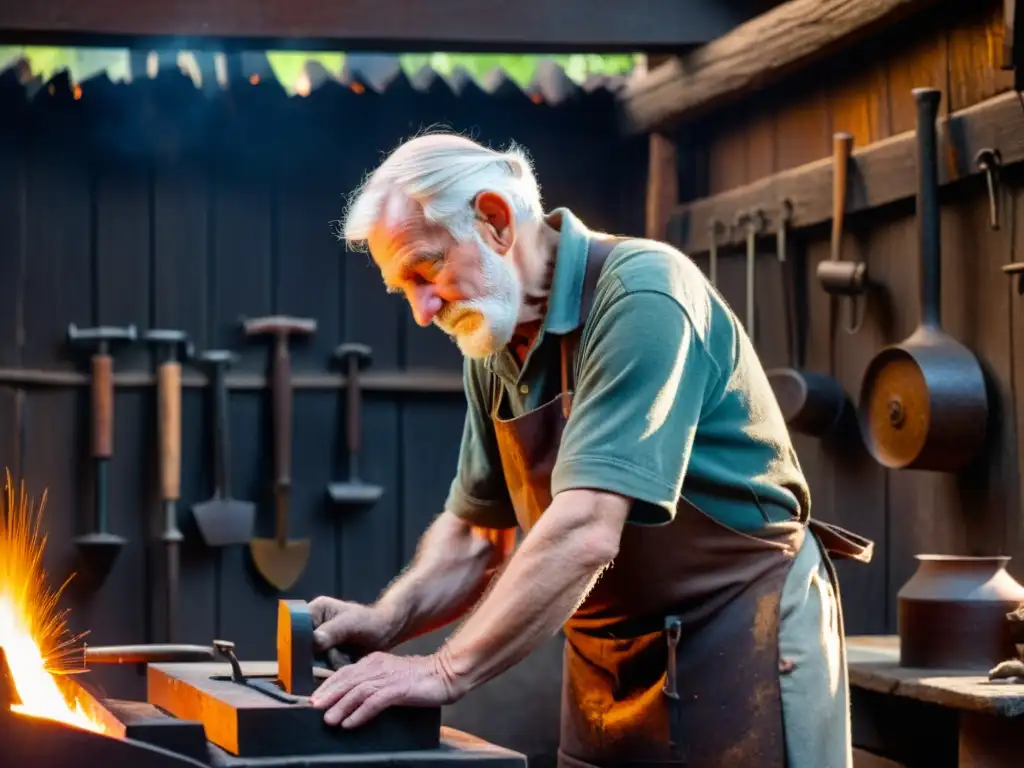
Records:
x=929, y=717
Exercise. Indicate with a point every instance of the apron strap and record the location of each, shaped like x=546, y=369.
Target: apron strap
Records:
x=841, y=543
x=598, y=250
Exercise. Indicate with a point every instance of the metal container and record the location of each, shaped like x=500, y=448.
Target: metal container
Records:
x=924, y=401
x=952, y=613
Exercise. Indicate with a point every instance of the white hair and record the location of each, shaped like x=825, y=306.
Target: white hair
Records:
x=444, y=173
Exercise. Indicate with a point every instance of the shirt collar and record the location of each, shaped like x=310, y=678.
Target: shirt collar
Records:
x=564, y=303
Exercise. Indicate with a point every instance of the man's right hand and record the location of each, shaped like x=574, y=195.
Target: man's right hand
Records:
x=341, y=623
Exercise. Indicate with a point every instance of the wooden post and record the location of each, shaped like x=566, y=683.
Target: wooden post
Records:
x=662, y=186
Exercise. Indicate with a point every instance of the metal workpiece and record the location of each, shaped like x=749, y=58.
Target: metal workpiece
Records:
x=147, y=653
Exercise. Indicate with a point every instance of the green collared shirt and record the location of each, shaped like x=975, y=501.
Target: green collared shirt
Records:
x=670, y=400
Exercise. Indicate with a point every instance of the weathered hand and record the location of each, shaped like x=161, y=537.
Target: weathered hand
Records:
x=357, y=693
x=339, y=622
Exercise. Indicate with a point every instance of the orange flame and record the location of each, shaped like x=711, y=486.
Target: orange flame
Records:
x=33, y=632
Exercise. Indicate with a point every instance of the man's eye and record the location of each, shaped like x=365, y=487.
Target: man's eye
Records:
x=432, y=268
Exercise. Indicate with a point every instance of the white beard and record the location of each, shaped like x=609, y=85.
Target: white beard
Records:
x=496, y=311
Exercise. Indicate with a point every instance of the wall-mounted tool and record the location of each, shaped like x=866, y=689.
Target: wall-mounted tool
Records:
x=100, y=548
x=923, y=402
x=354, y=357
x=715, y=228
x=752, y=223
x=843, y=279
x=222, y=520
x=990, y=163
x=281, y=560
x=811, y=403
x=168, y=383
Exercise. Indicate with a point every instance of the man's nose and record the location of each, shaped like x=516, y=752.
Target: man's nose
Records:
x=425, y=304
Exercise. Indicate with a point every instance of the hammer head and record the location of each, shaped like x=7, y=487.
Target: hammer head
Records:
x=219, y=358
x=361, y=353
x=100, y=335
x=279, y=325
x=172, y=340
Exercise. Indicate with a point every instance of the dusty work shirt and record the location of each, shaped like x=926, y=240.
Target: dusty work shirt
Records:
x=670, y=399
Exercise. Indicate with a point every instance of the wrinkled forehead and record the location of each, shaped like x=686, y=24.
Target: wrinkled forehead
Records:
x=402, y=232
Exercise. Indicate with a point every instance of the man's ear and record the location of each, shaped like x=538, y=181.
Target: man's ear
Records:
x=497, y=225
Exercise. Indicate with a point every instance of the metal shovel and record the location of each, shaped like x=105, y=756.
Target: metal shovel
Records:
x=222, y=520
x=354, y=490
x=281, y=560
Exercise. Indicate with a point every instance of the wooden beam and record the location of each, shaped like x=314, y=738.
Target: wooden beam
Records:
x=407, y=25
x=792, y=35
x=414, y=381
x=880, y=174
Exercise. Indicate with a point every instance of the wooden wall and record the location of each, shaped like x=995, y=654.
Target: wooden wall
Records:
x=957, y=47
x=157, y=204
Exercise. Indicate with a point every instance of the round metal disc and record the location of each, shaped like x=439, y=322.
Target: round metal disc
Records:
x=895, y=409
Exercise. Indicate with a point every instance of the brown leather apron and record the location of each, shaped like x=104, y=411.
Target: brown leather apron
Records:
x=674, y=656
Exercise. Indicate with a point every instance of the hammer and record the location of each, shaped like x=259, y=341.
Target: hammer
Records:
x=169, y=429
x=102, y=545
x=281, y=560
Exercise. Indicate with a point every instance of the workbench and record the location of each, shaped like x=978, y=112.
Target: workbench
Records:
x=929, y=717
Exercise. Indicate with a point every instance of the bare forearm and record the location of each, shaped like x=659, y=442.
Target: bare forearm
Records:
x=453, y=566
x=547, y=579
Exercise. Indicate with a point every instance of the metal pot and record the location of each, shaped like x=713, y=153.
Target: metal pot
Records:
x=923, y=402
x=952, y=613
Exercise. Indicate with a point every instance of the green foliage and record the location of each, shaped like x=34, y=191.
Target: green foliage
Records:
x=288, y=65
x=519, y=68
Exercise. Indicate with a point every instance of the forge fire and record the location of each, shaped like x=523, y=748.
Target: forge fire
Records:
x=33, y=632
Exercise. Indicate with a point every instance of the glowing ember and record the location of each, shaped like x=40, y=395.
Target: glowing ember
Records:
x=32, y=630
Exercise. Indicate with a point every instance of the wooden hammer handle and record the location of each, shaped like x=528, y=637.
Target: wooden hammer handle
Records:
x=842, y=147
x=102, y=406
x=169, y=403
x=282, y=416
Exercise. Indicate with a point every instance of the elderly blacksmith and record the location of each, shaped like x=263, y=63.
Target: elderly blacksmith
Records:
x=619, y=416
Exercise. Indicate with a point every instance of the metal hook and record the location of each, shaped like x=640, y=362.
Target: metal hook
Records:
x=714, y=228
x=989, y=161
x=754, y=221
x=856, y=310
x=785, y=217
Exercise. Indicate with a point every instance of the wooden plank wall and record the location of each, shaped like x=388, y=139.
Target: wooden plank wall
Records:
x=156, y=204
x=958, y=49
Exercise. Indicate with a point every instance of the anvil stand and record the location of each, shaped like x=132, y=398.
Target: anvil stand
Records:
x=258, y=713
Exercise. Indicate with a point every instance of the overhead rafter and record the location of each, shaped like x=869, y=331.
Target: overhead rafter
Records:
x=410, y=25
x=792, y=35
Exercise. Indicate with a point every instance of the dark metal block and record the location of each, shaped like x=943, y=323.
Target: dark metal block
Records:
x=456, y=749
x=248, y=723
x=144, y=722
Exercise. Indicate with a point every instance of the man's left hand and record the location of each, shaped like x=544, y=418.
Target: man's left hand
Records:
x=357, y=693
